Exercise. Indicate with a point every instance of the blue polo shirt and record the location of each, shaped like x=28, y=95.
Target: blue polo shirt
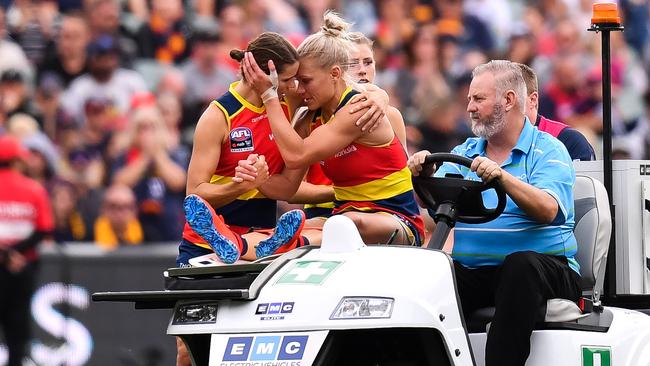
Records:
x=538, y=159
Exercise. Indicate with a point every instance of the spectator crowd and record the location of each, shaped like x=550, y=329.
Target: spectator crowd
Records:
x=105, y=93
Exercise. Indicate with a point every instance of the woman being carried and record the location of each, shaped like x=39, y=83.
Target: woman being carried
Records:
x=243, y=174
x=372, y=183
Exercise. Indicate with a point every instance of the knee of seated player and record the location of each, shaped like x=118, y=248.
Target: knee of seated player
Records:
x=359, y=221
x=315, y=223
x=373, y=228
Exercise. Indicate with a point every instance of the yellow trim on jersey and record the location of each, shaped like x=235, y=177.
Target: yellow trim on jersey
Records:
x=225, y=113
x=243, y=108
x=347, y=90
x=285, y=101
x=245, y=105
x=252, y=194
x=203, y=245
x=243, y=101
x=320, y=205
x=290, y=111
x=378, y=189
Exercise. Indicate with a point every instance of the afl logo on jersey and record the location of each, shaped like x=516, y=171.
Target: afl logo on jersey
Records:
x=241, y=140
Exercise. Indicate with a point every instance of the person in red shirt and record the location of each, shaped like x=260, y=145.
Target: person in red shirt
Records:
x=575, y=142
x=25, y=219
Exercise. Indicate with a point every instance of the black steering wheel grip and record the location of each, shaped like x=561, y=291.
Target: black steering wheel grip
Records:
x=436, y=190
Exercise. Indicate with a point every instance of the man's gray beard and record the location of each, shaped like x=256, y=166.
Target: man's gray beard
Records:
x=490, y=125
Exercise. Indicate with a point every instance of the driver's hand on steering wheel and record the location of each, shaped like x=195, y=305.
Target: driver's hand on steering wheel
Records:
x=415, y=164
x=486, y=169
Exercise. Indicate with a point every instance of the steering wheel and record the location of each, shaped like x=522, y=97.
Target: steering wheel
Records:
x=456, y=198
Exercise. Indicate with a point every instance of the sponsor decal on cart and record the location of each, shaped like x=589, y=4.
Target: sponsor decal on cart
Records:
x=309, y=272
x=274, y=310
x=596, y=356
x=268, y=350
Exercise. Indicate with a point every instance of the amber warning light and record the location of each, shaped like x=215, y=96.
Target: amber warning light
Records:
x=605, y=13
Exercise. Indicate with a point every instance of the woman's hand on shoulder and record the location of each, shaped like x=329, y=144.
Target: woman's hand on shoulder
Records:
x=376, y=104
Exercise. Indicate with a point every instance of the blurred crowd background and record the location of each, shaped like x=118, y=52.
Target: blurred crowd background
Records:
x=105, y=93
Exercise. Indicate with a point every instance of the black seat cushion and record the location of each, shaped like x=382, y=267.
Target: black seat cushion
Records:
x=479, y=318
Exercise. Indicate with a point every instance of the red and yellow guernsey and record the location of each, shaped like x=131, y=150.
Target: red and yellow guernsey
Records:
x=315, y=175
x=249, y=132
x=372, y=178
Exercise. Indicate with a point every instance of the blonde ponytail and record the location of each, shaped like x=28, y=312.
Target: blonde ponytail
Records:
x=331, y=45
x=334, y=25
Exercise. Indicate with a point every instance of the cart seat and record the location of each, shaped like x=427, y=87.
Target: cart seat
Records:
x=593, y=227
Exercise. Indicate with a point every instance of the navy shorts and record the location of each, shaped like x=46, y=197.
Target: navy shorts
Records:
x=313, y=212
x=187, y=251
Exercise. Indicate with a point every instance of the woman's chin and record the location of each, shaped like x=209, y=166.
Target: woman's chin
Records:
x=311, y=104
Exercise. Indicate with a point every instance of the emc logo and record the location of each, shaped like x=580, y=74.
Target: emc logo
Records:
x=274, y=308
x=265, y=348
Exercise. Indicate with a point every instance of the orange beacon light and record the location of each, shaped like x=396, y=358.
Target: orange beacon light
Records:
x=605, y=19
x=605, y=13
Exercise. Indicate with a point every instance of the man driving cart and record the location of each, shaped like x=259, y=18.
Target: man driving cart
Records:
x=525, y=256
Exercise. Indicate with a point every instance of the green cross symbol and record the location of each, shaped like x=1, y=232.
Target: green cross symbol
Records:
x=309, y=272
x=596, y=356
